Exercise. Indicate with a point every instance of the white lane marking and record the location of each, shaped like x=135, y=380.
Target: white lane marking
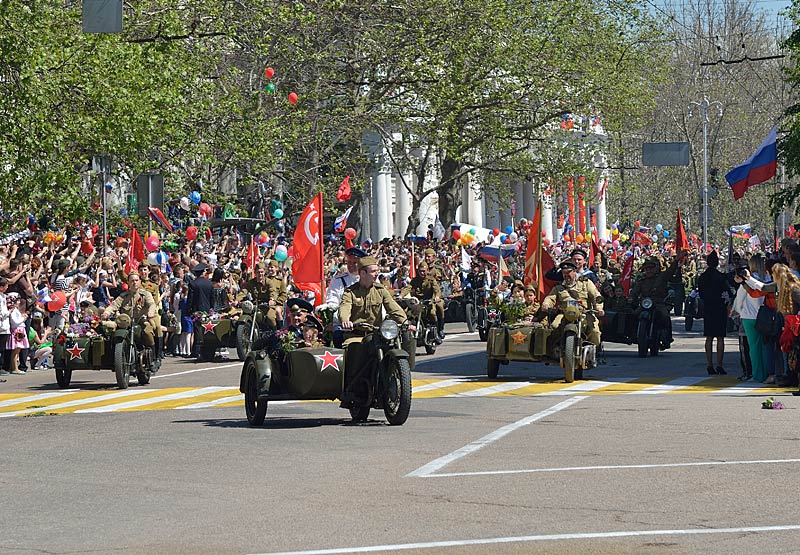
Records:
x=739, y=389
x=78, y=402
x=195, y=370
x=215, y=402
x=440, y=384
x=605, y=467
x=584, y=387
x=34, y=398
x=498, y=388
x=449, y=357
x=153, y=400
x=441, y=462
x=464, y=334
x=669, y=386
x=540, y=538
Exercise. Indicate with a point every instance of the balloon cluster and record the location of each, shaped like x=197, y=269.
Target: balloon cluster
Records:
x=269, y=87
x=281, y=253
x=262, y=239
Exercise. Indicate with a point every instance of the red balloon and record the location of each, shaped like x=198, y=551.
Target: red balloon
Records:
x=269, y=72
x=57, y=301
x=456, y=234
x=350, y=233
x=205, y=209
x=547, y=242
x=191, y=233
x=496, y=231
x=292, y=98
x=544, y=234
x=637, y=223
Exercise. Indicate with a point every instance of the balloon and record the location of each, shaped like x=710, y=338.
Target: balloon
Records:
x=191, y=233
x=546, y=242
x=637, y=223
x=659, y=227
x=614, y=232
x=350, y=233
x=496, y=231
x=161, y=257
x=473, y=232
x=514, y=236
x=279, y=226
x=565, y=237
x=278, y=214
x=508, y=229
x=49, y=237
x=666, y=233
x=508, y=241
x=456, y=234
x=292, y=100
x=269, y=73
x=152, y=258
x=579, y=238
x=655, y=237
x=57, y=301
x=544, y=234
x=270, y=88
x=615, y=243
x=86, y=247
x=205, y=209
x=120, y=242
x=281, y=255
x=151, y=244
x=184, y=204
x=195, y=197
x=613, y=226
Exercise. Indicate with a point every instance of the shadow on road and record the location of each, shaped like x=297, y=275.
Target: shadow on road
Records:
x=281, y=423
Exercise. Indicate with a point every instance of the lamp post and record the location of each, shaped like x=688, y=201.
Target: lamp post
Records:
x=704, y=106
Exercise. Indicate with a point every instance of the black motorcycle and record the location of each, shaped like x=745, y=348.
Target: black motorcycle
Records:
x=488, y=317
x=470, y=308
x=252, y=323
x=692, y=309
x=130, y=356
x=652, y=335
x=427, y=334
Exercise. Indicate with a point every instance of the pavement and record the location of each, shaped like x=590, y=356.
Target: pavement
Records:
x=644, y=456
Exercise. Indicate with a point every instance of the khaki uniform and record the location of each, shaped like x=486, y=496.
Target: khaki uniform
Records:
x=364, y=305
x=153, y=289
x=438, y=274
x=427, y=288
x=136, y=305
x=582, y=290
x=263, y=292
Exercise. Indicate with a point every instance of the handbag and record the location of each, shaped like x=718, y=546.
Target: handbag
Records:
x=769, y=322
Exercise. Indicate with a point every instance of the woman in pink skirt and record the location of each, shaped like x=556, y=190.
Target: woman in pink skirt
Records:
x=18, y=338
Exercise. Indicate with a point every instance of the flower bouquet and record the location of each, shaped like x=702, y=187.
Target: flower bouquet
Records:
x=771, y=403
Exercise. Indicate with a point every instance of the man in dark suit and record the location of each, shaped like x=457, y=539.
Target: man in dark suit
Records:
x=200, y=299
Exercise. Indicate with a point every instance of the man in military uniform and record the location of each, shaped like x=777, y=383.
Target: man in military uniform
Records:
x=277, y=289
x=576, y=288
x=261, y=290
x=150, y=275
x=438, y=273
x=299, y=309
x=579, y=258
x=423, y=286
x=654, y=284
x=136, y=302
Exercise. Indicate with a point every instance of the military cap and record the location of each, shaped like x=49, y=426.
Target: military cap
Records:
x=509, y=280
x=199, y=268
x=580, y=252
x=274, y=263
x=313, y=322
x=530, y=288
x=355, y=251
x=367, y=261
x=430, y=251
x=652, y=261
x=261, y=266
x=568, y=265
x=299, y=305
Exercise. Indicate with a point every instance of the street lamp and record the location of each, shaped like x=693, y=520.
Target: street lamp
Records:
x=704, y=106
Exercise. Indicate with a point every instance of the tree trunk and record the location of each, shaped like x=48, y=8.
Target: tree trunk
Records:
x=450, y=191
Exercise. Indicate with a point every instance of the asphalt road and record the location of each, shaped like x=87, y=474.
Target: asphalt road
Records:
x=646, y=456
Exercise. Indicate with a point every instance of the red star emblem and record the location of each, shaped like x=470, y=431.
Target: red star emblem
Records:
x=209, y=327
x=75, y=352
x=329, y=359
x=519, y=338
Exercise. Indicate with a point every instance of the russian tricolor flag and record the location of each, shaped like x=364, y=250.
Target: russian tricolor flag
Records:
x=760, y=167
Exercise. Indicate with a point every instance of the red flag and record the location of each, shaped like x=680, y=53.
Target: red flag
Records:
x=344, y=193
x=627, y=275
x=135, y=252
x=412, y=270
x=537, y=260
x=308, y=268
x=252, y=257
x=641, y=238
x=681, y=240
x=595, y=249
x=501, y=262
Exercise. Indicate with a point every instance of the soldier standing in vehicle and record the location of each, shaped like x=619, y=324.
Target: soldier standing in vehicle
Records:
x=580, y=289
x=424, y=286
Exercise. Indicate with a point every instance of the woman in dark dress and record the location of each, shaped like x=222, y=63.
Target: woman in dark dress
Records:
x=715, y=292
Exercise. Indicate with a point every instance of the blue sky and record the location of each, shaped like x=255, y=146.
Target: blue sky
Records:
x=772, y=7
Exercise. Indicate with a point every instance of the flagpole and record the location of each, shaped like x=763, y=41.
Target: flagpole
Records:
x=321, y=251
x=540, y=277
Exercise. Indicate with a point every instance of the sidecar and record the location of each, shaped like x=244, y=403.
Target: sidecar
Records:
x=215, y=334
x=94, y=352
x=518, y=343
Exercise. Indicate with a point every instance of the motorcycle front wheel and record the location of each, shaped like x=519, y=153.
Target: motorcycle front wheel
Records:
x=124, y=362
x=471, y=316
x=63, y=376
x=243, y=340
x=641, y=338
x=396, y=394
x=254, y=408
x=570, y=360
x=483, y=333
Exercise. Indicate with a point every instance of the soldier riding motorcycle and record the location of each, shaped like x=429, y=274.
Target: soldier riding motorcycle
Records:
x=654, y=286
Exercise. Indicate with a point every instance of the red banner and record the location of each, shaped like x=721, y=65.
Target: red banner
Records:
x=681, y=240
x=537, y=260
x=627, y=275
x=308, y=268
x=135, y=252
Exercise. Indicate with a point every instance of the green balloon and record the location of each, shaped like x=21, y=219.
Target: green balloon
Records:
x=270, y=88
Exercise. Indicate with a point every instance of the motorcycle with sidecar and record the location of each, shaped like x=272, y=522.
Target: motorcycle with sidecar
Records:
x=373, y=373
x=651, y=335
x=251, y=324
x=214, y=332
x=488, y=317
x=426, y=335
x=567, y=346
x=693, y=309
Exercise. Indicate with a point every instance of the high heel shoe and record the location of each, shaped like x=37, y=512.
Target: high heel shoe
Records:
x=711, y=371
x=721, y=371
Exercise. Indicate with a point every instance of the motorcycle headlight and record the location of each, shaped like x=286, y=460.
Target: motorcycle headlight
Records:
x=389, y=330
x=647, y=303
x=248, y=307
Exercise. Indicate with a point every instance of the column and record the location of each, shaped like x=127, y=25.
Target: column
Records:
x=602, y=193
x=547, y=213
x=382, y=199
x=529, y=199
x=427, y=213
x=517, y=203
x=471, y=206
x=402, y=201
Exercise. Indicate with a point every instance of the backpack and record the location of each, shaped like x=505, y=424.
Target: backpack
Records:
x=769, y=322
